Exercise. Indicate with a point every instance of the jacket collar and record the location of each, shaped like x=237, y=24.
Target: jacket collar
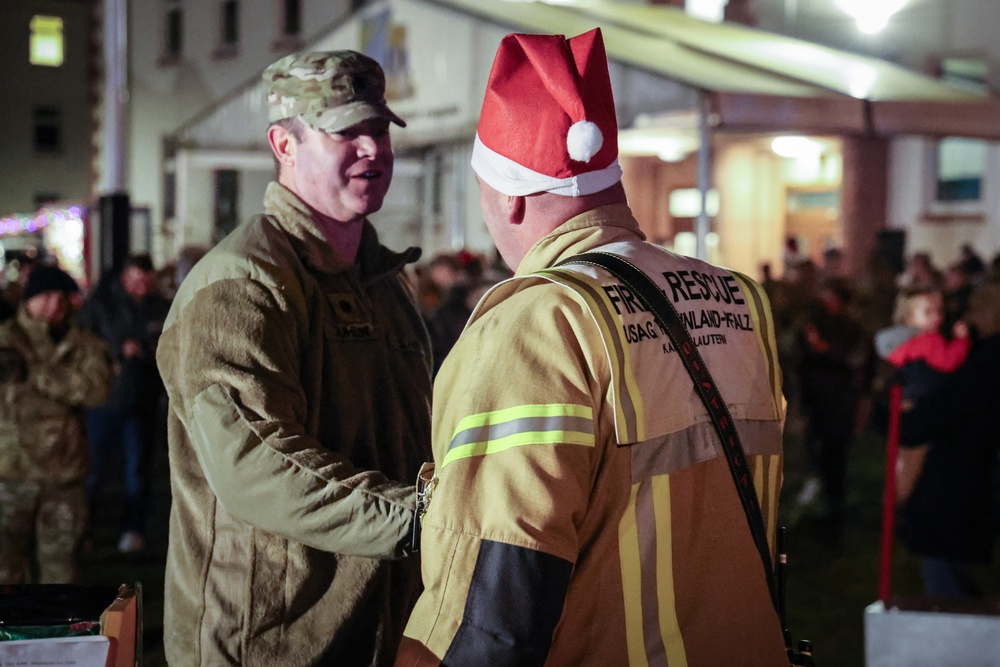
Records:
x=593, y=228
x=296, y=219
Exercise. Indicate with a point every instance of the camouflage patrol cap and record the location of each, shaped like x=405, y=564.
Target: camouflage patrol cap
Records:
x=329, y=90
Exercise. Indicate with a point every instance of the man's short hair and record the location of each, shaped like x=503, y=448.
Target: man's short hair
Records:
x=294, y=126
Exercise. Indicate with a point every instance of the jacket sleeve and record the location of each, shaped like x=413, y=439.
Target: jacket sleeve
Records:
x=514, y=442
x=233, y=378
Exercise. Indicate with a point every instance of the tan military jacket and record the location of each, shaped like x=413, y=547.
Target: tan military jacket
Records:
x=44, y=387
x=299, y=393
x=583, y=512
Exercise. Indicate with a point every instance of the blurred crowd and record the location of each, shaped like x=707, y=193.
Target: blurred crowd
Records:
x=106, y=432
x=81, y=408
x=448, y=287
x=845, y=341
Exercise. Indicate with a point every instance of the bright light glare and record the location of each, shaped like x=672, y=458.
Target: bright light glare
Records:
x=709, y=10
x=686, y=203
x=668, y=149
x=871, y=15
x=796, y=147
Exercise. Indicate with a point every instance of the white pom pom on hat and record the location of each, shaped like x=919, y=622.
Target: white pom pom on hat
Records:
x=583, y=140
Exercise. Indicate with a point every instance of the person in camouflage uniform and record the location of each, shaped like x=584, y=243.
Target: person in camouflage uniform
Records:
x=50, y=369
x=298, y=374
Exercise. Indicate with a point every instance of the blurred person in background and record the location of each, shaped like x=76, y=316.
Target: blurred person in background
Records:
x=50, y=371
x=948, y=518
x=833, y=357
x=298, y=371
x=972, y=264
x=455, y=276
x=919, y=272
x=127, y=312
x=958, y=286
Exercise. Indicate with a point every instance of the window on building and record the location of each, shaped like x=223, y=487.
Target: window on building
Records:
x=960, y=163
x=287, y=26
x=48, y=129
x=173, y=30
x=46, y=43
x=291, y=17
x=230, y=22
x=227, y=192
x=169, y=195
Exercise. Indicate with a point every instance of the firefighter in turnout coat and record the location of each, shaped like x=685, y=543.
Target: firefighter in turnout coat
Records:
x=582, y=511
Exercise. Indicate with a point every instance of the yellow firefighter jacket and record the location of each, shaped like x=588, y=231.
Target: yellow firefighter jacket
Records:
x=583, y=512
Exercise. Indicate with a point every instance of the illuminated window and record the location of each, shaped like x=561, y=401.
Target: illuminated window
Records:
x=686, y=203
x=46, y=46
x=961, y=163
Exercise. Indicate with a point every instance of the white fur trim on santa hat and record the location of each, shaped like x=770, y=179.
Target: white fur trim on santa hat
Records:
x=511, y=178
x=583, y=140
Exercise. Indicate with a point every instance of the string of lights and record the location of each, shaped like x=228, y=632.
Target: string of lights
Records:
x=20, y=223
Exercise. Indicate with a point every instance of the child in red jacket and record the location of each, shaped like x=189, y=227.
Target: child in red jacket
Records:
x=916, y=345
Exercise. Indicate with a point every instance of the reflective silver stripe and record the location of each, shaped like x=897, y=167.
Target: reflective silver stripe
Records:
x=700, y=442
x=489, y=432
x=645, y=511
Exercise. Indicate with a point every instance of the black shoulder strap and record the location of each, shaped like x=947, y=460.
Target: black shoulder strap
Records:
x=657, y=303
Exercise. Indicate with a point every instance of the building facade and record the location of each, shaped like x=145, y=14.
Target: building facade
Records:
x=941, y=192
x=48, y=76
x=198, y=167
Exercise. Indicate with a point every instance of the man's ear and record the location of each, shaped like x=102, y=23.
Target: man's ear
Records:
x=515, y=209
x=282, y=144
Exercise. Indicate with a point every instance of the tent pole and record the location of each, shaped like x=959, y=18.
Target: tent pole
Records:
x=702, y=226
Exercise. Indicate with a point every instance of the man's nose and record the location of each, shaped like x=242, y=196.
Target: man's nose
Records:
x=367, y=145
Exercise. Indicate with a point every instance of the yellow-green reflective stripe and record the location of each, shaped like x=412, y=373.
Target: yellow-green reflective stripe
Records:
x=760, y=312
x=670, y=629
x=774, y=489
x=522, y=411
x=492, y=432
x=518, y=440
x=624, y=385
x=628, y=549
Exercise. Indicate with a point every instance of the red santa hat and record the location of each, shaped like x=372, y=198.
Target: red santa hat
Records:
x=548, y=121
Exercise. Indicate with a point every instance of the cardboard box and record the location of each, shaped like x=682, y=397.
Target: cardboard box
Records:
x=121, y=623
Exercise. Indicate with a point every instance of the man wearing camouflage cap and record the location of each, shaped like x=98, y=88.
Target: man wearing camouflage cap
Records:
x=298, y=372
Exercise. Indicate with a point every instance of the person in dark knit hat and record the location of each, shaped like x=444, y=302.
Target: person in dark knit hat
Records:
x=49, y=369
